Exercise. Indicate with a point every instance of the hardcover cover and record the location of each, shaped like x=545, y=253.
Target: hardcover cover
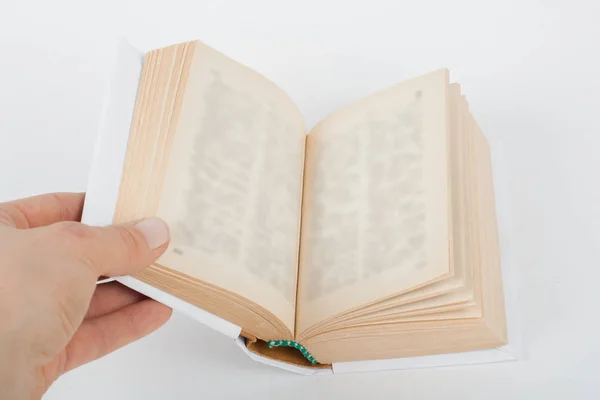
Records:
x=101, y=199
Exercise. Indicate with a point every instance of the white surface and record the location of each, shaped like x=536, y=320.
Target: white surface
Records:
x=530, y=71
x=101, y=199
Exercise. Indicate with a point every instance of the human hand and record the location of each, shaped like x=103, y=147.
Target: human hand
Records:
x=53, y=316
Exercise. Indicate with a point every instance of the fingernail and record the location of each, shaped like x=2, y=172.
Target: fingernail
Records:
x=154, y=230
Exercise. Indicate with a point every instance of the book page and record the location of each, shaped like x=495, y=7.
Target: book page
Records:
x=375, y=212
x=232, y=189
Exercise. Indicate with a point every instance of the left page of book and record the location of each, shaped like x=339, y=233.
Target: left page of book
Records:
x=230, y=185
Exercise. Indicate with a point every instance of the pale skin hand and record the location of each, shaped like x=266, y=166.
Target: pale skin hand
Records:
x=53, y=316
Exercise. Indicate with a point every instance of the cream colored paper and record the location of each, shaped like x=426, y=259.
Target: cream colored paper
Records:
x=375, y=211
x=232, y=190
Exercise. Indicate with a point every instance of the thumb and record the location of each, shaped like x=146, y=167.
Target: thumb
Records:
x=116, y=249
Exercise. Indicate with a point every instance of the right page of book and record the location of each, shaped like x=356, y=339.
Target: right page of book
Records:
x=375, y=219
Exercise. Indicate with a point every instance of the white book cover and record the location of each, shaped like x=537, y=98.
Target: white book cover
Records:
x=101, y=199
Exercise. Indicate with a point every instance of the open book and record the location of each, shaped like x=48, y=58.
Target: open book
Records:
x=372, y=237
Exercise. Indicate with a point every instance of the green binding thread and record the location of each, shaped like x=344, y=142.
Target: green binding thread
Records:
x=290, y=343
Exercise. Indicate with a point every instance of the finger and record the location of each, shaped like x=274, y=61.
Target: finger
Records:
x=112, y=250
x=110, y=297
x=99, y=336
x=42, y=210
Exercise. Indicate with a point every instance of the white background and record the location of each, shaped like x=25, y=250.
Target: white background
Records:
x=529, y=68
